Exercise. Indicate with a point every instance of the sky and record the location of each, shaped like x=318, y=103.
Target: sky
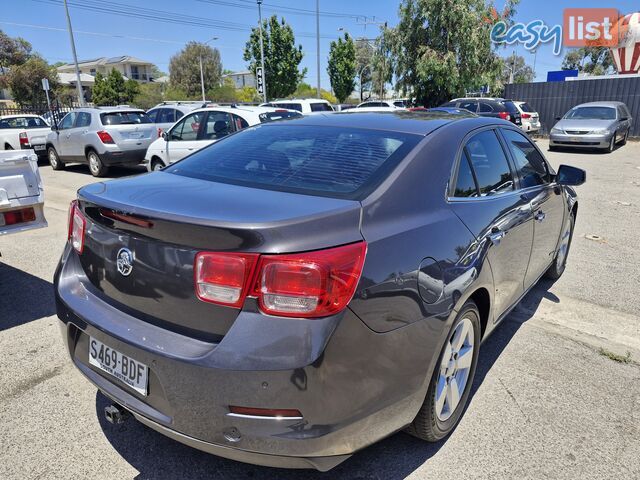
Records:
x=154, y=30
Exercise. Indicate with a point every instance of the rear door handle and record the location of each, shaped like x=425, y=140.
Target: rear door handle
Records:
x=496, y=236
x=540, y=216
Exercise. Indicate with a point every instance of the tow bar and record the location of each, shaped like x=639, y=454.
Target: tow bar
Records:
x=115, y=414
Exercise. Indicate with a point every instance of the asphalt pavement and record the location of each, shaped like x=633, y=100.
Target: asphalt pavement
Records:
x=555, y=395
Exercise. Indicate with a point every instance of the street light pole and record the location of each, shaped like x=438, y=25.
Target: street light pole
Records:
x=75, y=57
x=318, y=47
x=264, y=72
x=202, y=69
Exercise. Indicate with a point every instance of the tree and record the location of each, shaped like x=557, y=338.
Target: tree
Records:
x=281, y=57
x=113, y=89
x=522, y=73
x=184, y=68
x=24, y=81
x=248, y=95
x=442, y=49
x=591, y=60
x=364, y=65
x=149, y=95
x=13, y=51
x=225, y=92
x=304, y=90
x=342, y=67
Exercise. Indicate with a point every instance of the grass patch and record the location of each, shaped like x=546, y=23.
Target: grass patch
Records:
x=615, y=357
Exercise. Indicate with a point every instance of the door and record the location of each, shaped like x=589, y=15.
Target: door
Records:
x=183, y=136
x=486, y=200
x=546, y=200
x=77, y=136
x=64, y=135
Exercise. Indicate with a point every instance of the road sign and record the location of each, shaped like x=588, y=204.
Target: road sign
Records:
x=259, y=80
x=45, y=84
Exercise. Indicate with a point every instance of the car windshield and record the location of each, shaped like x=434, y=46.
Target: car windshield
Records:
x=592, y=113
x=325, y=161
x=124, y=118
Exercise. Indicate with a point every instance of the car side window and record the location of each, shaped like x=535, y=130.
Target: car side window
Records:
x=152, y=114
x=530, y=165
x=490, y=164
x=67, y=121
x=240, y=122
x=187, y=129
x=218, y=125
x=83, y=120
x=179, y=115
x=485, y=108
x=465, y=182
x=166, y=115
x=472, y=106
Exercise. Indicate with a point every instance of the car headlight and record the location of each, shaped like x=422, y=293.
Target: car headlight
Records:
x=602, y=131
x=556, y=130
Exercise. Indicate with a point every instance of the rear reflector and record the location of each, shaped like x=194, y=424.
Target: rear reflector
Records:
x=24, y=140
x=223, y=278
x=15, y=217
x=105, y=137
x=77, y=227
x=265, y=412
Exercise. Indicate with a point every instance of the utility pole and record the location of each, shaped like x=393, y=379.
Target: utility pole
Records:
x=264, y=72
x=202, y=79
x=513, y=67
x=75, y=57
x=318, y=46
x=383, y=73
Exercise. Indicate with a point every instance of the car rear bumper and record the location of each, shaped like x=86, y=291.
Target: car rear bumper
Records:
x=126, y=157
x=351, y=385
x=579, y=141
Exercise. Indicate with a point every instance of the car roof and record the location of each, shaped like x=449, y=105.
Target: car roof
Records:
x=600, y=104
x=242, y=109
x=417, y=123
x=28, y=115
x=298, y=100
x=108, y=109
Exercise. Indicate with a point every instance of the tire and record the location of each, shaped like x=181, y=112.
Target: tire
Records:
x=96, y=167
x=553, y=148
x=54, y=159
x=436, y=420
x=555, y=271
x=612, y=144
x=624, y=139
x=156, y=165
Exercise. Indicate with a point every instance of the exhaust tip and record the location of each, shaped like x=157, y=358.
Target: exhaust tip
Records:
x=115, y=414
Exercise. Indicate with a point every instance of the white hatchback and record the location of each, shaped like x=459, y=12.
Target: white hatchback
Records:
x=205, y=126
x=530, y=118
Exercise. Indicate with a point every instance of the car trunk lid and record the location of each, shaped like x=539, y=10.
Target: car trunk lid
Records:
x=164, y=220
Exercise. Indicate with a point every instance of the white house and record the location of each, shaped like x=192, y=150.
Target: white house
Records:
x=242, y=79
x=130, y=67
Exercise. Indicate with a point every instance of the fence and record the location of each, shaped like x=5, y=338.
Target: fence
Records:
x=58, y=110
x=554, y=99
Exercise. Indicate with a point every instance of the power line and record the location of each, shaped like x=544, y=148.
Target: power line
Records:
x=250, y=5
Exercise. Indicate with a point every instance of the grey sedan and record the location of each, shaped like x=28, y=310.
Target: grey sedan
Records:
x=600, y=125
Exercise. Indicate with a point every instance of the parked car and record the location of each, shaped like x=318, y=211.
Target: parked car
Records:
x=530, y=118
x=23, y=132
x=489, y=107
x=21, y=192
x=295, y=292
x=390, y=104
x=100, y=137
x=600, y=125
x=205, y=126
x=165, y=114
x=451, y=110
x=302, y=105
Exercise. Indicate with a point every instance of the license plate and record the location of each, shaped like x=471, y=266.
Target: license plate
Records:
x=136, y=135
x=574, y=139
x=118, y=365
x=38, y=147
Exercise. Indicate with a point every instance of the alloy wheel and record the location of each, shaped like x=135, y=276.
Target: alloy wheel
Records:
x=455, y=366
x=94, y=163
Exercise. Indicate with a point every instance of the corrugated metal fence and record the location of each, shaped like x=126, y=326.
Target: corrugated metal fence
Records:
x=554, y=99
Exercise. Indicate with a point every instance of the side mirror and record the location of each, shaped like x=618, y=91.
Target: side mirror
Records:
x=165, y=136
x=624, y=119
x=571, y=175
x=54, y=127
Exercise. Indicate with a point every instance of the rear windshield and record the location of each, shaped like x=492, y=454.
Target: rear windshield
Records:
x=124, y=118
x=292, y=106
x=592, y=113
x=23, y=122
x=279, y=115
x=525, y=107
x=510, y=106
x=326, y=161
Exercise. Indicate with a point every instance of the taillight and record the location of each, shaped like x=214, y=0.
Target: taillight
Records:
x=77, y=227
x=15, y=217
x=24, y=140
x=224, y=278
x=308, y=285
x=504, y=115
x=105, y=137
x=312, y=284
x=526, y=115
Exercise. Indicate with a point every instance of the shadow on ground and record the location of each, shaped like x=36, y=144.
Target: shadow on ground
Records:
x=157, y=457
x=113, y=172
x=23, y=297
